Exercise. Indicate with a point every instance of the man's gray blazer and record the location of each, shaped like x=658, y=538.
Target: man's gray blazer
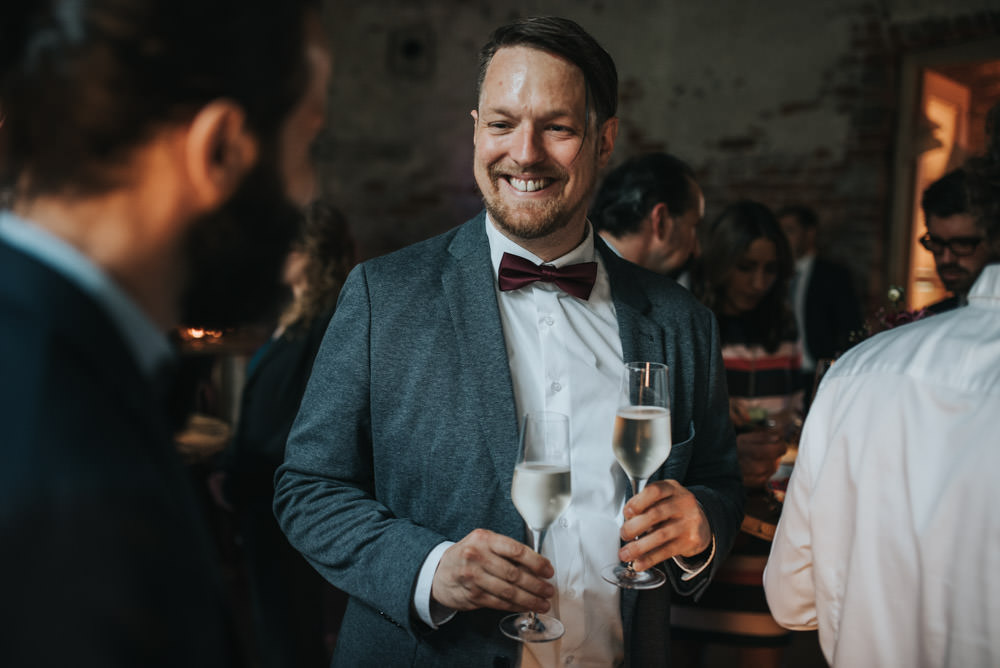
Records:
x=407, y=436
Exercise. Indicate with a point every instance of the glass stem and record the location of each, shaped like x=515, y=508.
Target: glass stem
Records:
x=536, y=544
x=637, y=485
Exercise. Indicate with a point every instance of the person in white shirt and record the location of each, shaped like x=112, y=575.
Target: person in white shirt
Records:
x=397, y=475
x=889, y=543
x=827, y=309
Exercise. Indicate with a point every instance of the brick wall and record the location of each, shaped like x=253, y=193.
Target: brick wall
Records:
x=783, y=101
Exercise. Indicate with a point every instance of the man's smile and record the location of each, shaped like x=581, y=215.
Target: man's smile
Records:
x=528, y=185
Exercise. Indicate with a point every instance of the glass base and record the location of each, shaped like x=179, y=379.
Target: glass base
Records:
x=532, y=628
x=624, y=577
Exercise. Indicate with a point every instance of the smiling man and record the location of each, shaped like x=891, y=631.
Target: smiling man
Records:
x=397, y=477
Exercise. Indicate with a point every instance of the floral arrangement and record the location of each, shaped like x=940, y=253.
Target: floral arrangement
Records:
x=888, y=317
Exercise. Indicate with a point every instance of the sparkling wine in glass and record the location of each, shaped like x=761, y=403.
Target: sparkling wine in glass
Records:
x=541, y=491
x=641, y=442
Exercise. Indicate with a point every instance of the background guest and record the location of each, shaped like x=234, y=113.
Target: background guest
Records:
x=827, y=310
x=743, y=277
x=648, y=210
x=953, y=237
x=289, y=598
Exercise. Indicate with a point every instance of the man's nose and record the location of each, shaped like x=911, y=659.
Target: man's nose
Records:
x=527, y=145
x=946, y=256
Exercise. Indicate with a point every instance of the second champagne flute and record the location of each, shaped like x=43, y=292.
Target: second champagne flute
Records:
x=641, y=443
x=541, y=491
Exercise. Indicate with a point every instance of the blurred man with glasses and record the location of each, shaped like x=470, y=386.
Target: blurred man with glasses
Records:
x=953, y=238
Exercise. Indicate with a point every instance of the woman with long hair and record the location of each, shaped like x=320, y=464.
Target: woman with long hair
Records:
x=743, y=276
x=291, y=603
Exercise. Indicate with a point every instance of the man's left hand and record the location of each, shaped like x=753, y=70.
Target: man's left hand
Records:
x=669, y=522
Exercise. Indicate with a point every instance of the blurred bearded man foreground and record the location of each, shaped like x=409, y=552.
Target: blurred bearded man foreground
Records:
x=152, y=151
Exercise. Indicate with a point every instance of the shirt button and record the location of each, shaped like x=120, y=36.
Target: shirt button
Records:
x=570, y=659
x=556, y=387
x=549, y=320
x=563, y=522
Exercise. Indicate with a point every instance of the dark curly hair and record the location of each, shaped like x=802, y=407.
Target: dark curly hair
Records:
x=325, y=239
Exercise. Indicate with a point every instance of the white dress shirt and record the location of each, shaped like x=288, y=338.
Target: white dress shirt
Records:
x=800, y=282
x=889, y=540
x=565, y=353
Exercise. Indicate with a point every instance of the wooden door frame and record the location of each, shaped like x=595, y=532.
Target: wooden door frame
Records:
x=897, y=253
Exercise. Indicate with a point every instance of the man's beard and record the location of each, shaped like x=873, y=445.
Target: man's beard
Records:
x=529, y=220
x=235, y=255
x=958, y=285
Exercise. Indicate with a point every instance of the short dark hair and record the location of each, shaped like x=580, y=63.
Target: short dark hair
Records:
x=946, y=197
x=565, y=38
x=805, y=216
x=85, y=82
x=729, y=237
x=631, y=190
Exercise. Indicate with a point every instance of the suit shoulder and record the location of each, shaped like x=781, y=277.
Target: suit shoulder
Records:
x=420, y=252
x=830, y=269
x=664, y=293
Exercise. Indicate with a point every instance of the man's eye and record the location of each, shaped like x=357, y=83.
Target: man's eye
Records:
x=499, y=125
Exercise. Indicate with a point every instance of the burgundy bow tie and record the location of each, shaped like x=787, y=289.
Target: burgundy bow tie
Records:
x=576, y=279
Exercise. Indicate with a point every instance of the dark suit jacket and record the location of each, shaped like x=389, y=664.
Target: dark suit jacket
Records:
x=832, y=310
x=276, y=380
x=104, y=560
x=407, y=437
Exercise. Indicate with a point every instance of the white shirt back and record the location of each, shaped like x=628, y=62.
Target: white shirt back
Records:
x=889, y=540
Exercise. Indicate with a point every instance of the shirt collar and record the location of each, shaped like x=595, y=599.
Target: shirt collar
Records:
x=500, y=244
x=804, y=263
x=987, y=286
x=148, y=344
x=609, y=244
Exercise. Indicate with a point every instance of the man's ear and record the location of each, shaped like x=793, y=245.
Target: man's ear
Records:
x=606, y=141
x=663, y=222
x=220, y=151
x=475, y=124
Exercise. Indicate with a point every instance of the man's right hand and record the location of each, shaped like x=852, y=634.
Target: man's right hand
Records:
x=489, y=570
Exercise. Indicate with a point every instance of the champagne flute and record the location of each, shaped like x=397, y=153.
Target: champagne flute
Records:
x=541, y=491
x=641, y=443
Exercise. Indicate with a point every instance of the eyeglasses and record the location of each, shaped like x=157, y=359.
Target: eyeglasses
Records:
x=960, y=246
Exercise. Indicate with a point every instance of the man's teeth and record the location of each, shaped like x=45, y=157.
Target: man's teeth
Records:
x=529, y=185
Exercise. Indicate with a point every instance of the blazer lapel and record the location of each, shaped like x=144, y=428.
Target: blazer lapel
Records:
x=642, y=339
x=468, y=283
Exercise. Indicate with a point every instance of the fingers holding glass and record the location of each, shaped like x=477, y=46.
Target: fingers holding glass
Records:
x=541, y=490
